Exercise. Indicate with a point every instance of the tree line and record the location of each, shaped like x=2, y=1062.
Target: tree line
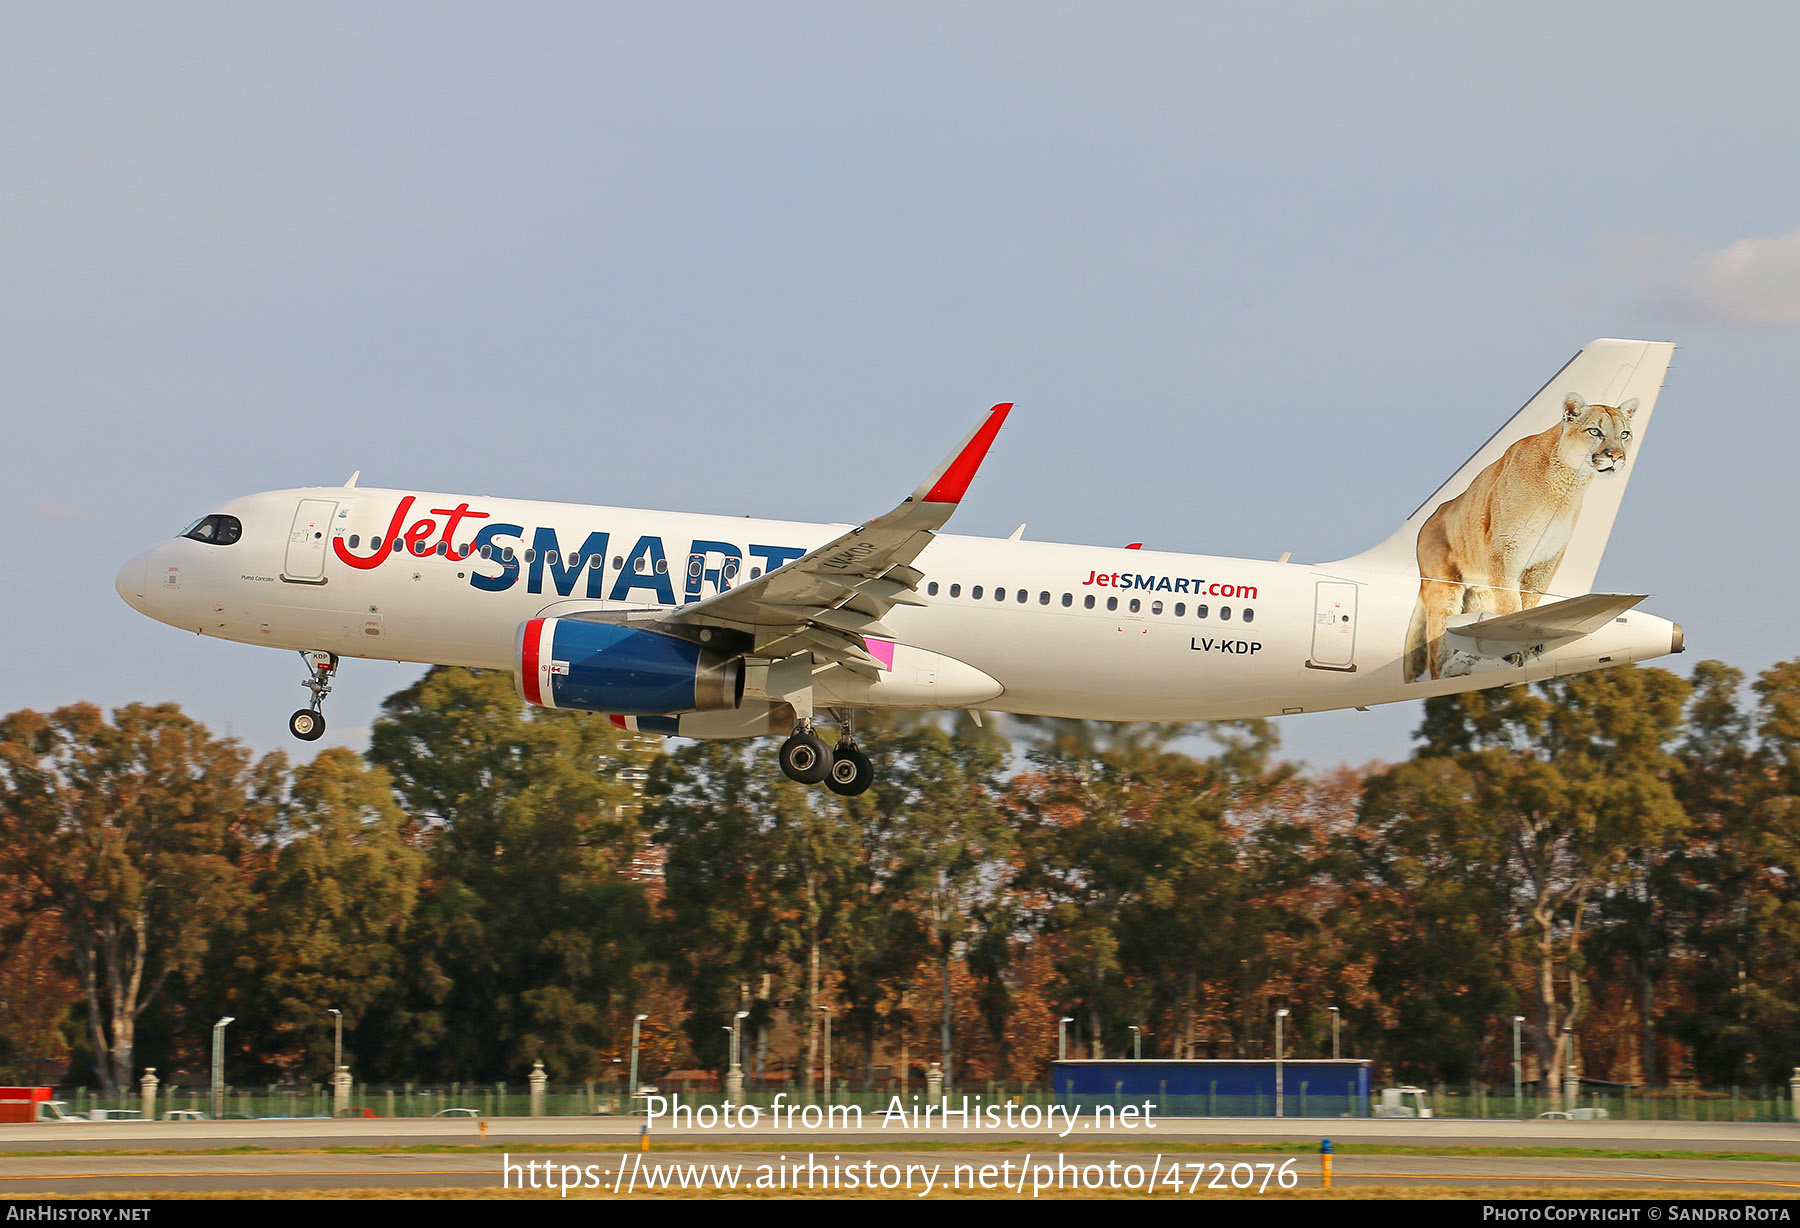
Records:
x=1613, y=856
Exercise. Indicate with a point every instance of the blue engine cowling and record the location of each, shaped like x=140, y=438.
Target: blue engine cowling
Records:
x=603, y=667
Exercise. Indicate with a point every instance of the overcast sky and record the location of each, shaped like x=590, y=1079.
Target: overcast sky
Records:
x=1259, y=277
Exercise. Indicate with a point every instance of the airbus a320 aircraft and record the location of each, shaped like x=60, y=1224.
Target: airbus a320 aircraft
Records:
x=715, y=627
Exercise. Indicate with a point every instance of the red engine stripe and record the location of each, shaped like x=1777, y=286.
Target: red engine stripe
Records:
x=528, y=671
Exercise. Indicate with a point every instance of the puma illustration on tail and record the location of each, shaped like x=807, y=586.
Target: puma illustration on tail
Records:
x=1529, y=514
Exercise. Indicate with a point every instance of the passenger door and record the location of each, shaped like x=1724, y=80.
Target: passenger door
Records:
x=1334, y=627
x=307, y=542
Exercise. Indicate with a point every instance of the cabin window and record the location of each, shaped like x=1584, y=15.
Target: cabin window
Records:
x=487, y=551
x=975, y=592
x=1068, y=600
x=1135, y=605
x=755, y=573
x=1180, y=608
x=1199, y=611
x=398, y=545
x=1043, y=598
x=956, y=590
x=374, y=543
x=506, y=554
x=1025, y=595
x=1249, y=615
x=662, y=567
x=1112, y=603
x=999, y=594
x=550, y=557
x=931, y=589
x=641, y=566
x=530, y=555
x=1087, y=602
x=729, y=571
x=618, y=562
x=595, y=561
x=1225, y=613
x=443, y=548
x=353, y=541
x=1156, y=607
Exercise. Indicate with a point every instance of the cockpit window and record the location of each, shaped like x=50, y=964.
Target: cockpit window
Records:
x=216, y=530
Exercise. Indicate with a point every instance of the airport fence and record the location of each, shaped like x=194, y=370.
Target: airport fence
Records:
x=513, y=1099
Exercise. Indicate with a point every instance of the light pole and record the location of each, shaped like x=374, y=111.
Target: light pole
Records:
x=1337, y=1017
x=218, y=1070
x=827, y=1085
x=1571, y=1090
x=337, y=1050
x=631, y=1102
x=1062, y=1037
x=1137, y=1042
x=1279, y=1016
x=736, y=1023
x=1518, y=1069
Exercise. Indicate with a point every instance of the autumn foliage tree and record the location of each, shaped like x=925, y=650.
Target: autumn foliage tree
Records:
x=134, y=832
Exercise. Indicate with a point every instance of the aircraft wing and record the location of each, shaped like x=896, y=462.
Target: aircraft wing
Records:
x=1559, y=621
x=828, y=600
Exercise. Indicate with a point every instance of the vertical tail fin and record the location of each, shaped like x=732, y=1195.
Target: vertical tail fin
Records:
x=1530, y=512
x=1606, y=374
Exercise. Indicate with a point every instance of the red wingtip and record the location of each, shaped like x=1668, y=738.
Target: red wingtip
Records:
x=1135, y=546
x=955, y=483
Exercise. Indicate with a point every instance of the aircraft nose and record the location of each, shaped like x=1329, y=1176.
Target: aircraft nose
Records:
x=130, y=582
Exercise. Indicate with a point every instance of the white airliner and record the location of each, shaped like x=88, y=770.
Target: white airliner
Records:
x=715, y=627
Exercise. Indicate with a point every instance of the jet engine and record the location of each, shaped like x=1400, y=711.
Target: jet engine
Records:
x=604, y=667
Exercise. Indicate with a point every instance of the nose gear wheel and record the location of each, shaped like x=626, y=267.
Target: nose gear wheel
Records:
x=308, y=724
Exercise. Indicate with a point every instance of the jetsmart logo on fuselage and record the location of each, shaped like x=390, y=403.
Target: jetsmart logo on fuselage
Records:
x=1166, y=584
x=538, y=552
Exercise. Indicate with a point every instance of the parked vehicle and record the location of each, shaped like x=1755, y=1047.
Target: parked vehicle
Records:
x=1403, y=1102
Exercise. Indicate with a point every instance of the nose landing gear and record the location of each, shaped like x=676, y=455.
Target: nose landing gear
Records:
x=308, y=724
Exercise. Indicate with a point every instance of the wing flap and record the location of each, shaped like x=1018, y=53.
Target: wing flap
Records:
x=828, y=599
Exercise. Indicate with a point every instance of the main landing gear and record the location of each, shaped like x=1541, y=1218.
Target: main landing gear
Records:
x=845, y=770
x=308, y=724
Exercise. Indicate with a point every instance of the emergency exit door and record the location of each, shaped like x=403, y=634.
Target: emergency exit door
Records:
x=1334, y=627
x=307, y=542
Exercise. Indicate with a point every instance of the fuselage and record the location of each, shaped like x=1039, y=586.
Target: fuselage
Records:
x=1060, y=630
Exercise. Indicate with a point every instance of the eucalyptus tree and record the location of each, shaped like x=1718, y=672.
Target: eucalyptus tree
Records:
x=1573, y=778
x=337, y=908
x=135, y=833
x=534, y=916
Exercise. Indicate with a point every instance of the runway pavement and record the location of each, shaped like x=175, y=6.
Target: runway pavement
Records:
x=27, y=1170
x=1773, y=1137
x=590, y=1174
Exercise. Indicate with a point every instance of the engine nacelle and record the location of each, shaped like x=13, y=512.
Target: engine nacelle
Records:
x=603, y=667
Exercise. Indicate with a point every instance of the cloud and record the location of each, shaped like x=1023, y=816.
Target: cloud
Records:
x=1751, y=281
x=47, y=510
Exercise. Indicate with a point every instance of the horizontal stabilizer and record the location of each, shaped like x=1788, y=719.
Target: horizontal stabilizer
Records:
x=1557, y=622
